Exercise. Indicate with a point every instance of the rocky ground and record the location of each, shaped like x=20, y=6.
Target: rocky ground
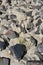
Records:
x=21, y=23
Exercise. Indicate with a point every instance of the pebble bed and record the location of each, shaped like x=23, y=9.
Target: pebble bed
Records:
x=21, y=22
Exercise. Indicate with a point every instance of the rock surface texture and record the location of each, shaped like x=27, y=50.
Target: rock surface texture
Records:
x=21, y=31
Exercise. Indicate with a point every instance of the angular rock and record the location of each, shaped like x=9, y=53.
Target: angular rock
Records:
x=40, y=48
x=6, y=17
x=30, y=27
x=4, y=61
x=11, y=34
x=3, y=44
x=38, y=30
x=19, y=50
x=34, y=41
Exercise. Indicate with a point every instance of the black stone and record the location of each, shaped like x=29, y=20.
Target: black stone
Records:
x=38, y=22
x=3, y=45
x=0, y=13
x=19, y=50
x=4, y=61
x=9, y=1
x=0, y=2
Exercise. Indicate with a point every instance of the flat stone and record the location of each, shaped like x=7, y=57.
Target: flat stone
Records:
x=18, y=51
x=4, y=61
x=40, y=48
x=11, y=34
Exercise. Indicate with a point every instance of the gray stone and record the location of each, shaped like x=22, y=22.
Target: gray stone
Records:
x=40, y=48
x=34, y=63
x=4, y=61
x=34, y=41
x=12, y=35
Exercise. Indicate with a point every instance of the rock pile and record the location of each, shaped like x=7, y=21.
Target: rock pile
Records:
x=21, y=30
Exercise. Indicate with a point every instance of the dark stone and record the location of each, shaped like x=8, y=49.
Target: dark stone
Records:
x=13, y=16
x=23, y=29
x=34, y=1
x=37, y=17
x=9, y=1
x=34, y=41
x=13, y=34
x=42, y=31
x=4, y=8
x=38, y=22
x=30, y=26
x=29, y=13
x=14, y=21
x=0, y=2
x=38, y=7
x=38, y=30
x=3, y=45
x=6, y=17
x=0, y=13
x=34, y=62
x=4, y=61
x=19, y=50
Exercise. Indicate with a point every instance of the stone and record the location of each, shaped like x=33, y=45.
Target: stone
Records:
x=34, y=63
x=3, y=44
x=6, y=17
x=30, y=27
x=19, y=50
x=40, y=48
x=4, y=61
x=0, y=2
x=41, y=13
x=12, y=16
x=9, y=1
x=11, y=34
x=29, y=13
x=42, y=31
x=38, y=30
x=38, y=22
x=34, y=41
x=0, y=13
